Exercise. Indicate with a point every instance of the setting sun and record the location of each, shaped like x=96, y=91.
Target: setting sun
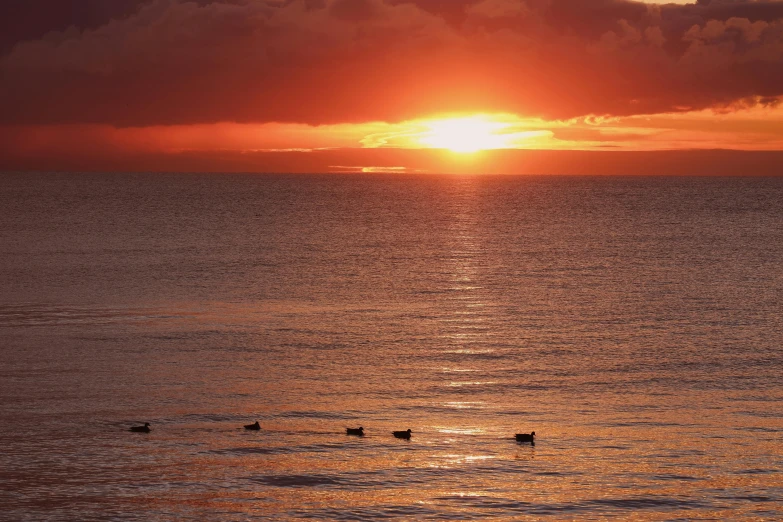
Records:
x=466, y=135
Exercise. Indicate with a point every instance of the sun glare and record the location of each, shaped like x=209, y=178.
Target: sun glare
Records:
x=465, y=135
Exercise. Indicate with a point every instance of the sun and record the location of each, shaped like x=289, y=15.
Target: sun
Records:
x=461, y=133
x=465, y=135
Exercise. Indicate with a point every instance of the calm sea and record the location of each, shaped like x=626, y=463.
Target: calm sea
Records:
x=636, y=324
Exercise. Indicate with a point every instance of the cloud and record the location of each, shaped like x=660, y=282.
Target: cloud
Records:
x=163, y=62
x=23, y=20
x=497, y=8
x=518, y=162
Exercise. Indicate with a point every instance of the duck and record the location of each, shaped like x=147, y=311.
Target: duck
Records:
x=403, y=434
x=255, y=426
x=141, y=429
x=526, y=437
x=359, y=432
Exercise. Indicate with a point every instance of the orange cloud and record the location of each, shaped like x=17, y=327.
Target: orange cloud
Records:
x=176, y=62
x=381, y=146
x=365, y=85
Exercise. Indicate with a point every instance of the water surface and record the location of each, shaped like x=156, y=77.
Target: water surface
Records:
x=633, y=323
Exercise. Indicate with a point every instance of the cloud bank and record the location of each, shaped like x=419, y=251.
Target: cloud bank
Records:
x=165, y=62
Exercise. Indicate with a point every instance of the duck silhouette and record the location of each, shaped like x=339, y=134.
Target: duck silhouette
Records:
x=403, y=434
x=141, y=429
x=526, y=437
x=255, y=426
x=359, y=432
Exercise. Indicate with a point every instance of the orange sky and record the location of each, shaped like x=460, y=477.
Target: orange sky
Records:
x=376, y=85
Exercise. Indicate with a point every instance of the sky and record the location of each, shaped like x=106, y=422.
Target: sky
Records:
x=495, y=86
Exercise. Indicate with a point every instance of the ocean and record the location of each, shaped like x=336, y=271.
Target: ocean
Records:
x=635, y=324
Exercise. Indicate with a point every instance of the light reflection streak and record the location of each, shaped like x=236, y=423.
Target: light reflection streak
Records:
x=465, y=405
x=459, y=431
x=466, y=459
x=468, y=351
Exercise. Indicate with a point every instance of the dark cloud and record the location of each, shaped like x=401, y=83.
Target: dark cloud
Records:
x=320, y=61
x=22, y=20
x=354, y=10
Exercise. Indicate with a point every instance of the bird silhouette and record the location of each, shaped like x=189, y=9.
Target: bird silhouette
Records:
x=141, y=429
x=255, y=426
x=403, y=434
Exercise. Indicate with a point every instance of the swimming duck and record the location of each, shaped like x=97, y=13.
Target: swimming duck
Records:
x=141, y=429
x=256, y=426
x=355, y=431
x=525, y=437
x=403, y=434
